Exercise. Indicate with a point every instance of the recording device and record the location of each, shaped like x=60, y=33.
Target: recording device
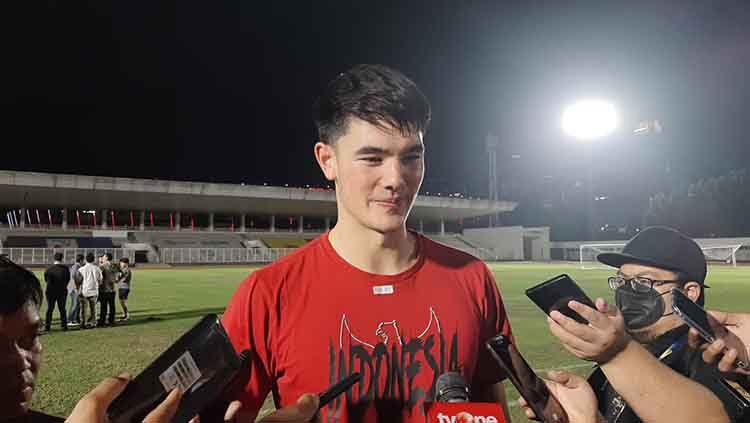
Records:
x=201, y=363
x=451, y=387
x=695, y=317
x=452, y=398
x=692, y=314
x=532, y=388
x=556, y=293
x=337, y=389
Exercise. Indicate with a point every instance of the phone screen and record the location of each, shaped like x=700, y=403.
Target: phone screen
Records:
x=693, y=314
x=529, y=385
x=556, y=293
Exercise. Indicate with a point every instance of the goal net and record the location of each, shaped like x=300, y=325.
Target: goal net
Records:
x=718, y=254
x=721, y=254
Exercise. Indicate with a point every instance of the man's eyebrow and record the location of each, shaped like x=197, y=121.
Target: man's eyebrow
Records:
x=418, y=148
x=370, y=150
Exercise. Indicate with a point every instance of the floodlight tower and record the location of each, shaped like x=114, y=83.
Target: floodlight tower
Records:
x=590, y=120
x=493, y=143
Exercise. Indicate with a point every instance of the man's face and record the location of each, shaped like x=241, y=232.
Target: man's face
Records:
x=668, y=320
x=20, y=356
x=377, y=174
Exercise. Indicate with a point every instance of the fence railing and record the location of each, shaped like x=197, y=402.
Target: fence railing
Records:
x=221, y=255
x=45, y=256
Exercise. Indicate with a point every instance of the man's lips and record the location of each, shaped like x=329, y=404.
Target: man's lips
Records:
x=387, y=203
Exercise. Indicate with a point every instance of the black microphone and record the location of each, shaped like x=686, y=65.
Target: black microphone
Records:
x=452, y=398
x=451, y=387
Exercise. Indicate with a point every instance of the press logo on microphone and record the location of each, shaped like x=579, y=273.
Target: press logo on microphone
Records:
x=465, y=418
x=466, y=412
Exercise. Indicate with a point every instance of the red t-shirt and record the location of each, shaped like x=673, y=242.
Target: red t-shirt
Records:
x=313, y=319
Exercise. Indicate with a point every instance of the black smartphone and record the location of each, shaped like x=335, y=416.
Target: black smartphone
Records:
x=692, y=314
x=202, y=362
x=529, y=385
x=695, y=317
x=555, y=294
x=337, y=389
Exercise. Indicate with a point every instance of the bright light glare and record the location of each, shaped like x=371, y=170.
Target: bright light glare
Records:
x=590, y=119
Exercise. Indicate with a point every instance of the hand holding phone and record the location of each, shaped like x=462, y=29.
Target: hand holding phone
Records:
x=556, y=293
x=529, y=385
x=697, y=318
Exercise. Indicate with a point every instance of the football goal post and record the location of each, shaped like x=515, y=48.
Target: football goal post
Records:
x=715, y=254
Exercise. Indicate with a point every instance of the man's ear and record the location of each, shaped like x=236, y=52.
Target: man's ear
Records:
x=693, y=290
x=325, y=155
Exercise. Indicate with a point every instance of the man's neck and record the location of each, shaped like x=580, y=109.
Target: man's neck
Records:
x=382, y=254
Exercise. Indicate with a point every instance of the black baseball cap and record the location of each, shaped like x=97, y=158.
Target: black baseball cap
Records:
x=665, y=248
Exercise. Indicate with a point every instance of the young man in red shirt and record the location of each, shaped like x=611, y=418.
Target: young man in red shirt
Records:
x=369, y=296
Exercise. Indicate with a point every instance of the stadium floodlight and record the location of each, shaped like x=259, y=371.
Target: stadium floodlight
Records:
x=589, y=119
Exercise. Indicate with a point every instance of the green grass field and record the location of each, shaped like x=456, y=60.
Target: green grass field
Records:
x=165, y=302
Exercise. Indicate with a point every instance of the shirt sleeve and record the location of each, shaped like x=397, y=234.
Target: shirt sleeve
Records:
x=250, y=320
x=495, y=322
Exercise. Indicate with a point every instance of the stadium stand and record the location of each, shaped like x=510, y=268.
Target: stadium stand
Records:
x=284, y=242
x=190, y=239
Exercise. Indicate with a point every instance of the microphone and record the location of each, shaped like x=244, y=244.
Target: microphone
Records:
x=452, y=404
x=451, y=387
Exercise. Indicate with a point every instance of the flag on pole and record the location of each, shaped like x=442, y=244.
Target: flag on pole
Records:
x=49, y=216
x=78, y=218
x=132, y=221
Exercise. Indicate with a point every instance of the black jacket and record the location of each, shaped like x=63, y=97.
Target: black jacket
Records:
x=672, y=350
x=57, y=278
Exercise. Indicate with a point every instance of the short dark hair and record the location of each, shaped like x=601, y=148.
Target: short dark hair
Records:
x=125, y=260
x=376, y=94
x=79, y=258
x=108, y=256
x=90, y=257
x=19, y=287
x=58, y=256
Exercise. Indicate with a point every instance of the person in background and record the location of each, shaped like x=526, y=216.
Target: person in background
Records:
x=92, y=277
x=123, y=286
x=56, y=278
x=74, y=291
x=107, y=291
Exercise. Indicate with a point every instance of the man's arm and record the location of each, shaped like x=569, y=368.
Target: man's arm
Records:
x=647, y=385
x=650, y=388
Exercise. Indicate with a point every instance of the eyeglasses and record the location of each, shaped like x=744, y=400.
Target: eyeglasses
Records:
x=638, y=283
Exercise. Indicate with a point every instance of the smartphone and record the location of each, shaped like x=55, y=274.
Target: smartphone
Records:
x=337, y=389
x=529, y=385
x=202, y=362
x=692, y=314
x=555, y=294
x=695, y=317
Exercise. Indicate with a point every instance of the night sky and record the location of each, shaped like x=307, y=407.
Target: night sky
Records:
x=221, y=91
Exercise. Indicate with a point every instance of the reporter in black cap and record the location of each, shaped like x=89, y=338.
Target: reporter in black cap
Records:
x=637, y=343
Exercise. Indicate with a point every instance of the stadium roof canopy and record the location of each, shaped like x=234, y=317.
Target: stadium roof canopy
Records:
x=31, y=189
